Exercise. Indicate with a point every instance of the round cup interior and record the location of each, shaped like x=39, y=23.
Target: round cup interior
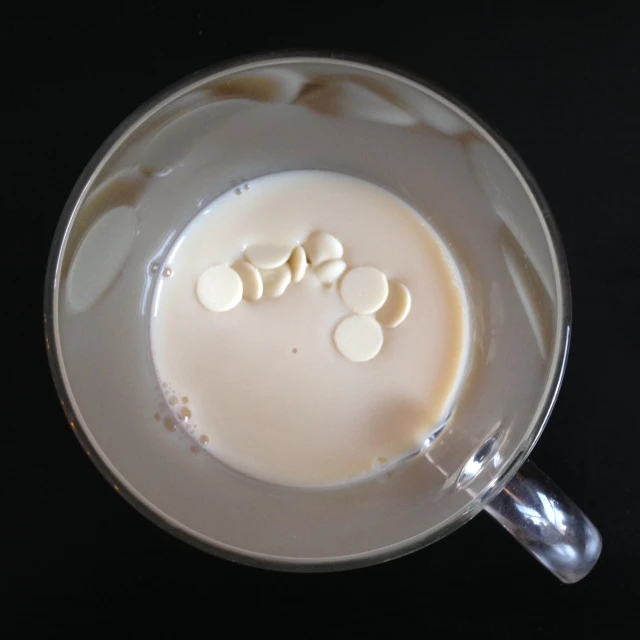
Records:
x=228, y=126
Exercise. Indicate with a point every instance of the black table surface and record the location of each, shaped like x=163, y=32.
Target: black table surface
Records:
x=564, y=89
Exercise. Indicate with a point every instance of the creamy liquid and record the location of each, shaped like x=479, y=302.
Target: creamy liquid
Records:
x=269, y=394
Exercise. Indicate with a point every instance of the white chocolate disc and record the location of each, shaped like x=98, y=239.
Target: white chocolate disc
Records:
x=397, y=306
x=298, y=263
x=276, y=280
x=364, y=289
x=322, y=246
x=358, y=338
x=267, y=256
x=328, y=272
x=219, y=288
x=251, y=280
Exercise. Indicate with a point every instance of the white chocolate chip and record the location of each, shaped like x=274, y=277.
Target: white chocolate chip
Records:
x=267, y=256
x=276, y=280
x=328, y=272
x=251, y=280
x=322, y=246
x=298, y=263
x=358, y=338
x=397, y=306
x=364, y=289
x=219, y=288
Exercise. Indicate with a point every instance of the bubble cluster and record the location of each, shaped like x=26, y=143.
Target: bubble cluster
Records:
x=174, y=412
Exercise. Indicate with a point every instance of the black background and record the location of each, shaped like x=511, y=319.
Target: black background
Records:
x=563, y=89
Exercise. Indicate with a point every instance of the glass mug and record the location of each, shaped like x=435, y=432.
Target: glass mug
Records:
x=223, y=127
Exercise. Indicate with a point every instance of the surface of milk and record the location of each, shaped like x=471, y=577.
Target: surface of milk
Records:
x=268, y=392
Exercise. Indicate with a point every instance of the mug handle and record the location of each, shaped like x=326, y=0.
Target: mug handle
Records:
x=548, y=524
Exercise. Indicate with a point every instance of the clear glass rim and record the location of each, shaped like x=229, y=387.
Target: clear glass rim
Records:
x=150, y=511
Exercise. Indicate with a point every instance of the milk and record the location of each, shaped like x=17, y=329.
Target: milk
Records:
x=268, y=392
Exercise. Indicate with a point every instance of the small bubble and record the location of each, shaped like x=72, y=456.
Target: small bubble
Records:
x=378, y=462
x=184, y=413
x=168, y=423
x=204, y=439
x=167, y=272
x=157, y=416
x=173, y=400
x=238, y=191
x=294, y=350
x=185, y=399
x=246, y=187
x=154, y=267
